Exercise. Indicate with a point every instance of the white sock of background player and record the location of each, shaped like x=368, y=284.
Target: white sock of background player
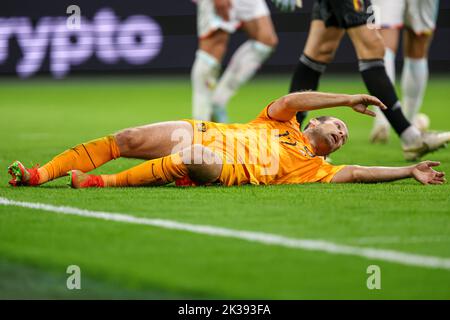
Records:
x=414, y=81
x=243, y=65
x=389, y=64
x=204, y=76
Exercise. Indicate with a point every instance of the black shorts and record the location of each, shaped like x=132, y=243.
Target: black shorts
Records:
x=341, y=13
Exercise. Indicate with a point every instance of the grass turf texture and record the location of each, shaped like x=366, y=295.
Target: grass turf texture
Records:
x=40, y=118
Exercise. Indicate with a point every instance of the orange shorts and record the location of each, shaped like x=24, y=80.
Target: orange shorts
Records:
x=232, y=174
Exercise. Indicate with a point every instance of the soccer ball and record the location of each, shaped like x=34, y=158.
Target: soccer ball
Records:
x=421, y=121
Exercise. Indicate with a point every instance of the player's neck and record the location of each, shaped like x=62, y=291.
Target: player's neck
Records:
x=311, y=140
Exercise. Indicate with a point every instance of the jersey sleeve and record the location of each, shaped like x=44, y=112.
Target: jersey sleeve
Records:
x=328, y=171
x=264, y=116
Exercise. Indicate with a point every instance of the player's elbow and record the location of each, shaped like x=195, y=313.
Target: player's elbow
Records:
x=285, y=101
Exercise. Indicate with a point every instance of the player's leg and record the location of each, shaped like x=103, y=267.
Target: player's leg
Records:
x=154, y=140
x=369, y=47
x=85, y=156
x=324, y=37
x=420, y=22
x=321, y=44
x=388, y=19
x=389, y=16
x=196, y=161
x=146, y=142
x=213, y=33
x=205, y=72
x=415, y=71
x=391, y=38
x=370, y=51
x=249, y=57
x=380, y=131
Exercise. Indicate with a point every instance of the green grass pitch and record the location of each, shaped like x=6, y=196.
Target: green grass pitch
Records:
x=40, y=118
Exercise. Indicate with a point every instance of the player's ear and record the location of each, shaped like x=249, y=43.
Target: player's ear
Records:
x=313, y=123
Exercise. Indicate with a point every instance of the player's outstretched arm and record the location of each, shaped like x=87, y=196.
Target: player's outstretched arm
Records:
x=422, y=172
x=287, y=106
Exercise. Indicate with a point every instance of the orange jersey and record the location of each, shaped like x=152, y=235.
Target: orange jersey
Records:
x=263, y=151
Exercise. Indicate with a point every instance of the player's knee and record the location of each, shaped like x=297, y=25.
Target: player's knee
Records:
x=129, y=139
x=327, y=51
x=324, y=52
x=197, y=154
x=203, y=164
x=204, y=173
x=418, y=48
x=215, y=44
x=417, y=53
x=192, y=154
x=372, y=48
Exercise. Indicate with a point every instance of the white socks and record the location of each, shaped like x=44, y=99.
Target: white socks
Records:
x=243, y=65
x=411, y=137
x=204, y=75
x=414, y=82
x=389, y=63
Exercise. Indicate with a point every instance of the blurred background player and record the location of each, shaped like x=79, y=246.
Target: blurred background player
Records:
x=331, y=19
x=216, y=20
x=418, y=20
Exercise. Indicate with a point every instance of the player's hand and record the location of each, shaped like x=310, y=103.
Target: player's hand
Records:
x=285, y=5
x=223, y=8
x=425, y=174
x=361, y=102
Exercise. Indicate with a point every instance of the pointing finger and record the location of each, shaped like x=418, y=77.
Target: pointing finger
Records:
x=376, y=102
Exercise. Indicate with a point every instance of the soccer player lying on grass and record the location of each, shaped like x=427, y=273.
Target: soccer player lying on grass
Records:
x=268, y=150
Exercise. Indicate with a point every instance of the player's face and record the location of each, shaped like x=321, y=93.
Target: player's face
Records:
x=330, y=136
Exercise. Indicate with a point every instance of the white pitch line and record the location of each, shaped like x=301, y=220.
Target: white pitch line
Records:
x=399, y=257
x=396, y=240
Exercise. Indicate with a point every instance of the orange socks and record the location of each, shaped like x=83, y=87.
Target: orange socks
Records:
x=154, y=172
x=85, y=157
x=90, y=155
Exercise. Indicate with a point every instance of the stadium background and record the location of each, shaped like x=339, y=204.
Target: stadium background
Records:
x=170, y=42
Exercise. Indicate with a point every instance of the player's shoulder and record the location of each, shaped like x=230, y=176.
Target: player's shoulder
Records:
x=264, y=119
x=264, y=115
